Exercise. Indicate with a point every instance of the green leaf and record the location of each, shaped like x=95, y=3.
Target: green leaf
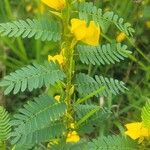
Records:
x=146, y=114
x=44, y=134
x=87, y=85
x=32, y=77
x=103, y=54
x=36, y=121
x=5, y=127
x=45, y=29
x=112, y=143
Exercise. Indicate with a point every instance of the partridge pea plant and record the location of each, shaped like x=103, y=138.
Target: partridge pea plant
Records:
x=58, y=118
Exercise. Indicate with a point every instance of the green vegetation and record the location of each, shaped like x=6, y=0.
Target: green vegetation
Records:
x=74, y=75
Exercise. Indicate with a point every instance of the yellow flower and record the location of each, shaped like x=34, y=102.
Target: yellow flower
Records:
x=137, y=130
x=78, y=28
x=57, y=98
x=121, y=37
x=52, y=142
x=147, y=24
x=72, y=126
x=58, y=58
x=89, y=35
x=55, y=4
x=72, y=137
x=29, y=8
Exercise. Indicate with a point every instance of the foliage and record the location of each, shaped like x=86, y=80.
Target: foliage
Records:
x=87, y=84
x=101, y=143
x=32, y=77
x=5, y=127
x=88, y=102
x=43, y=29
x=112, y=143
x=36, y=121
x=146, y=114
x=103, y=54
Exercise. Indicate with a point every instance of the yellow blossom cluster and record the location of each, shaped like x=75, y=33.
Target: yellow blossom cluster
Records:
x=72, y=137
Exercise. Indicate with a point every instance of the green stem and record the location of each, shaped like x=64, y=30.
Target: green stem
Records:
x=106, y=37
x=89, y=69
x=8, y=9
x=69, y=71
x=68, y=45
x=38, y=50
x=22, y=48
x=138, y=62
x=14, y=49
x=88, y=115
x=138, y=50
x=81, y=100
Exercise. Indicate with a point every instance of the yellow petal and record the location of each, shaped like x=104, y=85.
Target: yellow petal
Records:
x=121, y=37
x=78, y=28
x=55, y=4
x=72, y=137
x=57, y=98
x=92, y=34
x=29, y=8
x=72, y=126
x=52, y=142
x=89, y=35
x=136, y=130
x=58, y=58
x=144, y=131
x=133, y=130
x=50, y=58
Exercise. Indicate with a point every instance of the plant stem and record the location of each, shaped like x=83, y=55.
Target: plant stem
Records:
x=8, y=9
x=68, y=45
x=81, y=100
x=138, y=50
x=88, y=115
x=69, y=70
